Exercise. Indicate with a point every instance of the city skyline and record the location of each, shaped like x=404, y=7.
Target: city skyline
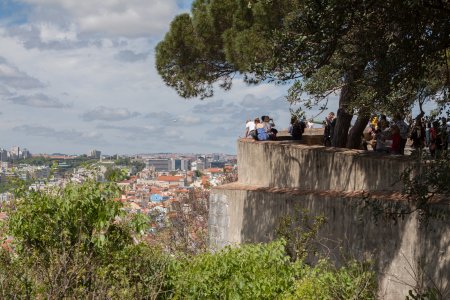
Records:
x=77, y=75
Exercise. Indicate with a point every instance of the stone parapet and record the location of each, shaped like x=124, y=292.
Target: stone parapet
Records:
x=291, y=164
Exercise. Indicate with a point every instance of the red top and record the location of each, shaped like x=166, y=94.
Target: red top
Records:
x=395, y=143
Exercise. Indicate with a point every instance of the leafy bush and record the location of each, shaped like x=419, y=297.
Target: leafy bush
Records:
x=261, y=271
x=352, y=281
x=77, y=243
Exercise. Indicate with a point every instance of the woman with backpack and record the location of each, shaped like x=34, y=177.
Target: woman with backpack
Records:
x=261, y=131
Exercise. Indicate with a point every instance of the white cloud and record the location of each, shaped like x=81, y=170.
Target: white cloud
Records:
x=167, y=119
x=130, y=56
x=107, y=71
x=11, y=76
x=50, y=32
x=72, y=136
x=108, y=114
x=132, y=18
x=38, y=100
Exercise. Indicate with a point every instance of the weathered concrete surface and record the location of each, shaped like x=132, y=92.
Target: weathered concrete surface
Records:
x=240, y=213
x=275, y=178
x=293, y=165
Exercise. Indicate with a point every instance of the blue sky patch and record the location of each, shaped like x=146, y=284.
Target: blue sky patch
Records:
x=13, y=12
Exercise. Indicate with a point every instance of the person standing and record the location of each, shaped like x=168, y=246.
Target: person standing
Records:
x=383, y=123
x=445, y=131
x=403, y=131
x=418, y=135
x=396, y=140
x=296, y=128
x=328, y=130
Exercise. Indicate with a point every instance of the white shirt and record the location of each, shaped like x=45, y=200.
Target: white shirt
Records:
x=250, y=125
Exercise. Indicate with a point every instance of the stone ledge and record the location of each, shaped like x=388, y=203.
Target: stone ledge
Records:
x=376, y=195
x=299, y=144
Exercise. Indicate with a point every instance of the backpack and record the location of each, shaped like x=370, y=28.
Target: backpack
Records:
x=253, y=134
x=262, y=134
x=297, y=130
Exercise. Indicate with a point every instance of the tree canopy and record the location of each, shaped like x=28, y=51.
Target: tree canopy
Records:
x=380, y=55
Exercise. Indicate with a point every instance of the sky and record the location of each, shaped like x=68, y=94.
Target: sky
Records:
x=77, y=75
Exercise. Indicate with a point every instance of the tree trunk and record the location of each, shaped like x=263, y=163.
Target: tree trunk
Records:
x=344, y=116
x=340, y=132
x=354, y=136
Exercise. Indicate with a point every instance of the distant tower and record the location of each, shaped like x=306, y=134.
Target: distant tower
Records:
x=15, y=152
x=25, y=153
x=3, y=155
x=94, y=153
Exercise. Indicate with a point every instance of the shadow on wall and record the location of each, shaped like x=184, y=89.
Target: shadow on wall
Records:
x=352, y=231
x=433, y=266
x=292, y=164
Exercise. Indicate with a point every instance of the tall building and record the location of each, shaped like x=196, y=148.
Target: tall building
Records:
x=25, y=153
x=3, y=155
x=160, y=164
x=179, y=164
x=15, y=152
x=94, y=153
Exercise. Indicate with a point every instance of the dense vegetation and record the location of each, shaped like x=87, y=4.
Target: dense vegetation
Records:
x=78, y=243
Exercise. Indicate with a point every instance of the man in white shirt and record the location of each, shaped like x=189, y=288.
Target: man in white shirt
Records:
x=249, y=126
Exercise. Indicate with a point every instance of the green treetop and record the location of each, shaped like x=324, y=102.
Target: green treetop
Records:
x=378, y=54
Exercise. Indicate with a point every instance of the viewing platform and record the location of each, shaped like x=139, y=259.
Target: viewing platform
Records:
x=351, y=189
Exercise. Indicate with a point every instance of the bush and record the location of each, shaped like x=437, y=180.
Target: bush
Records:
x=261, y=271
x=77, y=243
x=352, y=281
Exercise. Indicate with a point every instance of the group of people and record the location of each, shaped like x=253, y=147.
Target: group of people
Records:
x=434, y=134
x=261, y=129
x=423, y=132
x=380, y=131
x=264, y=129
x=391, y=136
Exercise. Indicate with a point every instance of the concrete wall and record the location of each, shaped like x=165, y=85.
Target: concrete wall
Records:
x=275, y=178
x=289, y=164
x=240, y=214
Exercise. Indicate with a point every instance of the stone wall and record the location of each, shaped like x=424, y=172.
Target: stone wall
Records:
x=278, y=178
x=289, y=164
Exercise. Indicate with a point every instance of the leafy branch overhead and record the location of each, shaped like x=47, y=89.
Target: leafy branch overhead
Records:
x=374, y=52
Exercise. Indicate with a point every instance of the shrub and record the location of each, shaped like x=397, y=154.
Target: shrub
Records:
x=260, y=271
x=353, y=281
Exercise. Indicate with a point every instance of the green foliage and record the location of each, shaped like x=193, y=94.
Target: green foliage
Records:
x=424, y=183
x=79, y=213
x=116, y=174
x=352, y=281
x=77, y=243
x=263, y=271
x=248, y=272
x=373, y=53
x=301, y=233
x=138, y=165
x=11, y=184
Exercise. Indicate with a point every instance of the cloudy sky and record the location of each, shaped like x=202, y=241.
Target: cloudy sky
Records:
x=77, y=75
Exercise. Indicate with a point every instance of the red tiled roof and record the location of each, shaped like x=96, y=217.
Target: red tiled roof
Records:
x=170, y=178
